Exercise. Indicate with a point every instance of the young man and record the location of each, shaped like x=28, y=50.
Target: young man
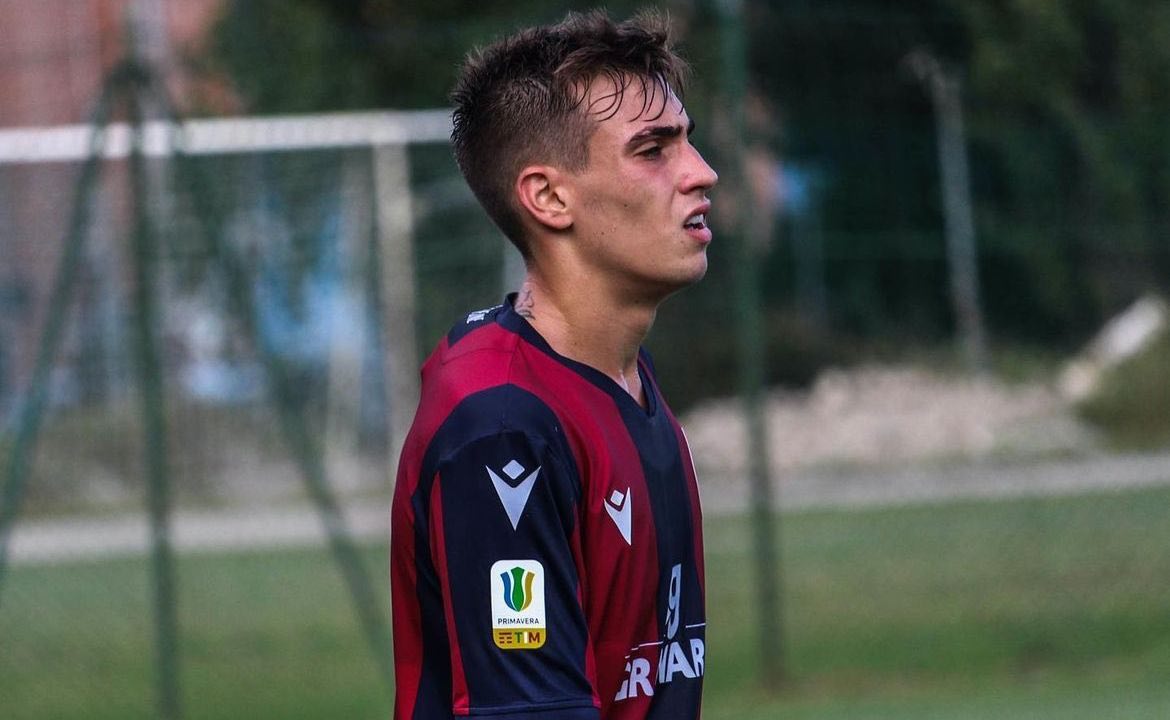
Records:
x=546, y=546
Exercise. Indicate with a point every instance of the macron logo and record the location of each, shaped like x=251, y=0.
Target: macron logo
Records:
x=513, y=498
x=618, y=507
x=480, y=315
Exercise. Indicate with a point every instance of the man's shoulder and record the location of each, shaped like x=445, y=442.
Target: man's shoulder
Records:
x=476, y=344
x=474, y=320
x=468, y=387
x=491, y=417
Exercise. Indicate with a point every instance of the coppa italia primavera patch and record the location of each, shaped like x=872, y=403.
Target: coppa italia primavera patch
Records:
x=518, y=618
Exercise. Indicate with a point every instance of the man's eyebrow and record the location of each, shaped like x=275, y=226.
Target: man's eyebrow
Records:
x=659, y=131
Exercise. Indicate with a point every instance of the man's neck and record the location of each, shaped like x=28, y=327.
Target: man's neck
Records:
x=589, y=325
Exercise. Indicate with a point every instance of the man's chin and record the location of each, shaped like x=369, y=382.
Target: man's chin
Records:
x=699, y=271
x=684, y=280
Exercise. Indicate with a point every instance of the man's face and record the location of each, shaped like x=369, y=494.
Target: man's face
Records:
x=641, y=202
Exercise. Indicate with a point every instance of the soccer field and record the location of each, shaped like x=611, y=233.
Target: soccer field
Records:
x=1039, y=608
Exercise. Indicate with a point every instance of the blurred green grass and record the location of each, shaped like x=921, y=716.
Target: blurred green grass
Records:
x=936, y=611
x=1036, y=608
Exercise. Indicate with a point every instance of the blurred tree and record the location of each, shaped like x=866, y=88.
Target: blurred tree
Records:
x=1069, y=96
x=1070, y=159
x=323, y=55
x=835, y=70
x=1065, y=99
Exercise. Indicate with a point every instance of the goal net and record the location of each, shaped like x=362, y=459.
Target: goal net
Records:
x=360, y=243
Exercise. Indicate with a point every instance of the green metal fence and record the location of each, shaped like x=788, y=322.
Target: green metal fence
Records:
x=219, y=338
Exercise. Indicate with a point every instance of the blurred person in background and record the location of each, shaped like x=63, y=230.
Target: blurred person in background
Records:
x=546, y=546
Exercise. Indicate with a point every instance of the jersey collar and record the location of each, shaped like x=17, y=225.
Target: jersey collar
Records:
x=513, y=321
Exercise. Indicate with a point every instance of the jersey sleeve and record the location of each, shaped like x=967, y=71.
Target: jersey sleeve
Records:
x=502, y=525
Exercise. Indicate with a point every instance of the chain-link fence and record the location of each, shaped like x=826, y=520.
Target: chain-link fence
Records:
x=954, y=544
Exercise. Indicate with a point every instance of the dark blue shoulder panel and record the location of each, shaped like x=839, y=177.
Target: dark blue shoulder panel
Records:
x=474, y=319
x=510, y=490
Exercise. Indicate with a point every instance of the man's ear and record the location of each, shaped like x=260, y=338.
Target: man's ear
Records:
x=544, y=195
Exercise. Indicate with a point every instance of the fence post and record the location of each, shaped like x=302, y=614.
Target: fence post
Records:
x=955, y=176
x=144, y=256
x=396, y=252
x=33, y=406
x=749, y=325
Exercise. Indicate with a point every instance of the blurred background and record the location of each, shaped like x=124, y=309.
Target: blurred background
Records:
x=926, y=380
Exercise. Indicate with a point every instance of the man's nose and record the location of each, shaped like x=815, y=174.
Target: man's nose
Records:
x=700, y=175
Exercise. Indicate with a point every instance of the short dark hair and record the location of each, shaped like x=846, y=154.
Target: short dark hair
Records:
x=520, y=99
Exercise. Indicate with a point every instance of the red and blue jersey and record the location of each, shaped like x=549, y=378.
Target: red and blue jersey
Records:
x=546, y=540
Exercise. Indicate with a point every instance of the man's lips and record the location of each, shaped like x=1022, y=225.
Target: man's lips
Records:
x=696, y=225
x=697, y=219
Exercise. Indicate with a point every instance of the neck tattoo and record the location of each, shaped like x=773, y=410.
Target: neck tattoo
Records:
x=524, y=303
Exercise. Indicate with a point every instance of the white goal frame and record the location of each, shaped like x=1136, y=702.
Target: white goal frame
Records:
x=387, y=134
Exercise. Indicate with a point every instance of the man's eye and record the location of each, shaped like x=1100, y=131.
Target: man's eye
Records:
x=651, y=152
